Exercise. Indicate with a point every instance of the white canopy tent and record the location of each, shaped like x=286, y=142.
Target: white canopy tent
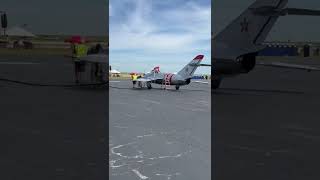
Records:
x=113, y=71
x=19, y=32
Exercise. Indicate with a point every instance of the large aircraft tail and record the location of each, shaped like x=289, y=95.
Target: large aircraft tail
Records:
x=189, y=69
x=252, y=26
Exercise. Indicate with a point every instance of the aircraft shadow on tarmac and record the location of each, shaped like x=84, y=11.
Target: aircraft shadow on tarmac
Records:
x=93, y=88
x=253, y=92
x=145, y=89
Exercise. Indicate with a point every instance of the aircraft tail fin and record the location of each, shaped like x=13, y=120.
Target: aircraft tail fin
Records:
x=156, y=69
x=252, y=27
x=189, y=69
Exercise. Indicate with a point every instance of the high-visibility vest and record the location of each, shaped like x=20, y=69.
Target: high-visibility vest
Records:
x=80, y=50
x=134, y=77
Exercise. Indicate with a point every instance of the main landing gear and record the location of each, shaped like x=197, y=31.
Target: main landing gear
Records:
x=216, y=81
x=177, y=87
x=149, y=85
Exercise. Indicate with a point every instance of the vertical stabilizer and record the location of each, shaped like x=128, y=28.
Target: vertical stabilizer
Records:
x=189, y=69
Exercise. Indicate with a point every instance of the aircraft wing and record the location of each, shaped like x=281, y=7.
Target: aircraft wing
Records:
x=144, y=80
x=201, y=82
x=147, y=79
x=289, y=66
x=96, y=58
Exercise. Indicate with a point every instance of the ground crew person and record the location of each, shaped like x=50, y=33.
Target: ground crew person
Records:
x=134, y=80
x=78, y=50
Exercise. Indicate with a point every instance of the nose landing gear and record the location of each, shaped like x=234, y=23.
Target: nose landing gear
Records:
x=149, y=85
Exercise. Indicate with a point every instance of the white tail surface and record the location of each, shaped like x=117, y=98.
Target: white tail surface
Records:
x=249, y=30
x=189, y=69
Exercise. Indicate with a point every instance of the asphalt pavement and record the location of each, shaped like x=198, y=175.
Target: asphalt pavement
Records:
x=159, y=134
x=266, y=124
x=50, y=132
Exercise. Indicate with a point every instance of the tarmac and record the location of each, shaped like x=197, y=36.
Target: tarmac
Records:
x=266, y=124
x=159, y=134
x=50, y=132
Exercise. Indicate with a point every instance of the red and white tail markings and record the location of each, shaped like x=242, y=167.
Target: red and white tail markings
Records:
x=199, y=57
x=156, y=69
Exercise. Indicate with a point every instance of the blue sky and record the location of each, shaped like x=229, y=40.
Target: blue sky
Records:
x=165, y=33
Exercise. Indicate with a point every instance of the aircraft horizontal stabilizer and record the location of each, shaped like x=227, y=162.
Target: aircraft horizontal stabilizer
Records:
x=204, y=64
x=290, y=66
x=199, y=65
x=300, y=12
x=144, y=80
x=201, y=82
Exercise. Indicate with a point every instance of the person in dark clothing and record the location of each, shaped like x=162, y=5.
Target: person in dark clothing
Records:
x=96, y=67
x=97, y=49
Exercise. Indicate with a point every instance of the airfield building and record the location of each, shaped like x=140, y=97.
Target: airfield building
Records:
x=303, y=49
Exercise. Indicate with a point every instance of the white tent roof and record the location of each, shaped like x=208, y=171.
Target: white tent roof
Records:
x=18, y=31
x=113, y=71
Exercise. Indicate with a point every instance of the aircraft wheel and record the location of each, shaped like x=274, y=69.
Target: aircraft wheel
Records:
x=177, y=87
x=149, y=85
x=216, y=83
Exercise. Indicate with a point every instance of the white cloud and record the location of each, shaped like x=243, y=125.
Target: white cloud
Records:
x=139, y=30
x=110, y=10
x=142, y=27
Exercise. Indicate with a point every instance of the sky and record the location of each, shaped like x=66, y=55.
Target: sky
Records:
x=69, y=17
x=294, y=28
x=166, y=33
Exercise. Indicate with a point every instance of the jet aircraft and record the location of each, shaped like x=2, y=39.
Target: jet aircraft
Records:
x=183, y=77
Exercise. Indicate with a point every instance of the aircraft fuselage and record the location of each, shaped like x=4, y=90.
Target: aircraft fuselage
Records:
x=174, y=79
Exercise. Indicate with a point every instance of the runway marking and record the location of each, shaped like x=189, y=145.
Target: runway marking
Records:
x=139, y=174
x=192, y=109
x=120, y=160
x=130, y=115
x=120, y=103
x=147, y=135
x=121, y=127
x=169, y=176
x=113, y=151
x=132, y=159
x=113, y=162
x=151, y=101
